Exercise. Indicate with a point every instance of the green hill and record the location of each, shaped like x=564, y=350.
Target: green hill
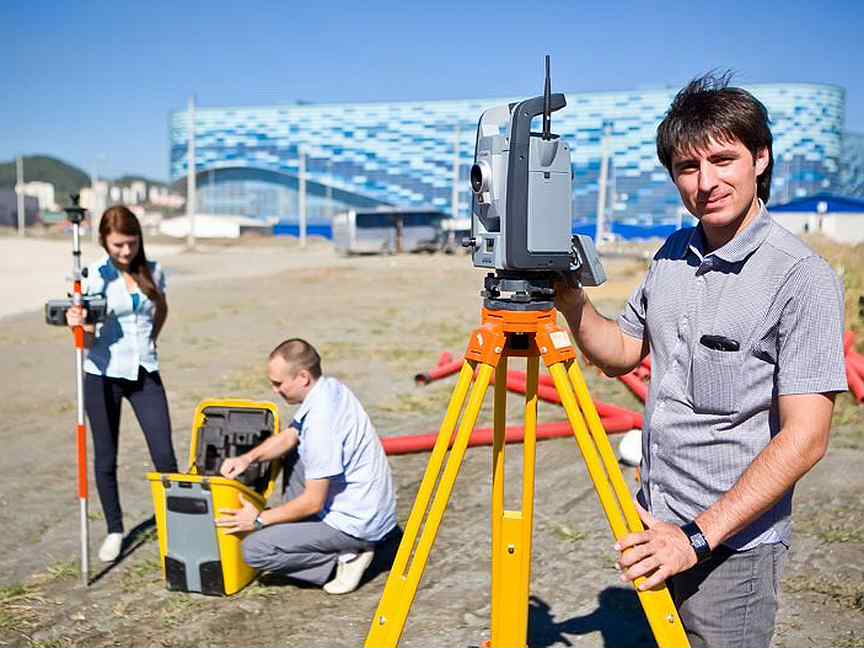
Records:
x=67, y=179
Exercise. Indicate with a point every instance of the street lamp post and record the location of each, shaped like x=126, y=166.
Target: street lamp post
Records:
x=191, y=206
x=19, y=189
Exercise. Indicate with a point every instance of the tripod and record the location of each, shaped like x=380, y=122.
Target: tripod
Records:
x=525, y=328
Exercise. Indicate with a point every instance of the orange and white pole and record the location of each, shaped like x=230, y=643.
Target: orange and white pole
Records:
x=77, y=300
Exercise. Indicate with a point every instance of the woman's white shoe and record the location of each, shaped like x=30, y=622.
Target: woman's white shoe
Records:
x=110, y=549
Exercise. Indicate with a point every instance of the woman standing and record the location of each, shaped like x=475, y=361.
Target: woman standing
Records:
x=122, y=361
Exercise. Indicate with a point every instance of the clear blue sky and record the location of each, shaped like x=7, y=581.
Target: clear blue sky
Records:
x=93, y=82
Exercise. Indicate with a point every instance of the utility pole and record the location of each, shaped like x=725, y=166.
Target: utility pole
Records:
x=602, y=231
x=100, y=198
x=301, y=194
x=191, y=206
x=454, y=195
x=19, y=189
x=330, y=189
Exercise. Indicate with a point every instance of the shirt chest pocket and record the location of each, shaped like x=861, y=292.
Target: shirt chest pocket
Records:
x=715, y=377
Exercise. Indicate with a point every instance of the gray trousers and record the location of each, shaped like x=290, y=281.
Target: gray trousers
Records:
x=731, y=598
x=305, y=550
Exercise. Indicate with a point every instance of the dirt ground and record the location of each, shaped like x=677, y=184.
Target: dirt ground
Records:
x=376, y=321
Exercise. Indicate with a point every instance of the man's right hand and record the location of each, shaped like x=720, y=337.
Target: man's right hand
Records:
x=234, y=466
x=569, y=296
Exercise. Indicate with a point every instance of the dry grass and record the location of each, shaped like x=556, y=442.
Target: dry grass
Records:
x=846, y=593
x=848, y=262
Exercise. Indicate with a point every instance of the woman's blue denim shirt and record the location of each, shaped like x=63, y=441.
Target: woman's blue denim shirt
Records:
x=124, y=341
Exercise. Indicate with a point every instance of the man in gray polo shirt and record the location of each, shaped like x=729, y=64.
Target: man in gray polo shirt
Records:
x=745, y=326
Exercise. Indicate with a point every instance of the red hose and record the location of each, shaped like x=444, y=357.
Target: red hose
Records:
x=483, y=436
x=542, y=379
x=848, y=342
x=445, y=358
x=550, y=395
x=856, y=383
x=635, y=384
x=439, y=372
x=856, y=360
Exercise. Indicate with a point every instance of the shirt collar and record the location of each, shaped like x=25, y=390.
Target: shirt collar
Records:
x=306, y=405
x=740, y=247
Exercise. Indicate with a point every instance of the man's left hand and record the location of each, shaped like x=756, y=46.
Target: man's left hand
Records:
x=238, y=520
x=657, y=553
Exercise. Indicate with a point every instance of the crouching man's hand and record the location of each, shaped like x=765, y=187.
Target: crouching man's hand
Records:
x=657, y=553
x=234, y=466
x=238, y=520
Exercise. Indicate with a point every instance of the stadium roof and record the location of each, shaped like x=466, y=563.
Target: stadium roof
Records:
x=822, y=203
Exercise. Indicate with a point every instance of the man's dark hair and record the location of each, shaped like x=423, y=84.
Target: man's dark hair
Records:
x=299, y=354
x=708, y=108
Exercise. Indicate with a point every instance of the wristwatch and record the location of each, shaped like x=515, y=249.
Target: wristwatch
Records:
x=697, y=540
x=259, y=523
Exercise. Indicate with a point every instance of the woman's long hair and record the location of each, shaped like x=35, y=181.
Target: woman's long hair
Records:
x=121, y=220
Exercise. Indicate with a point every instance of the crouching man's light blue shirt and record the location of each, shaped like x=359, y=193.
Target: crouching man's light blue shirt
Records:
x=124, y=341
x=339, y=443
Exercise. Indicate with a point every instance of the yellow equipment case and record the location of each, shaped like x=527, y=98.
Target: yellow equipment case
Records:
x=196, y=555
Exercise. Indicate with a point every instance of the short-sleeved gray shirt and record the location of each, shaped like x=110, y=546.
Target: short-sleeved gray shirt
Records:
x=709, y=412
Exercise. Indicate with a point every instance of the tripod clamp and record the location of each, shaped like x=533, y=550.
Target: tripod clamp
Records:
x=518, y=291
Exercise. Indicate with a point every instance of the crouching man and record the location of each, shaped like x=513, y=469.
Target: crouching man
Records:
x=338, y=498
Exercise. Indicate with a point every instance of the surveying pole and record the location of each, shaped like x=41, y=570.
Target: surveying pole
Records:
x=75, y=215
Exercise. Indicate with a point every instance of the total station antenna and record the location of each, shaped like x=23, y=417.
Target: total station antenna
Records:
x=547, y=105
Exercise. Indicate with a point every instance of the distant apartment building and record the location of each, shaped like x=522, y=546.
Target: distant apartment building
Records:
x=103, y=193
x=43, y=192
x=9, y=209
x=359, y=155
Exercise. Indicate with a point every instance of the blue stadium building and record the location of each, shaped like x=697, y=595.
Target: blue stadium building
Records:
x=408, y=154
x=852, y=170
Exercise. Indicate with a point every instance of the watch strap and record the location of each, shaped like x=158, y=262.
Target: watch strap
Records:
x=697, y=540
x=259, y=523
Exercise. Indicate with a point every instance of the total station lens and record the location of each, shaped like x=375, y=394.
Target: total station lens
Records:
x=477, y=178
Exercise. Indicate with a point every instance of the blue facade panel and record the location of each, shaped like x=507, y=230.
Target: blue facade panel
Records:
x=406, y=153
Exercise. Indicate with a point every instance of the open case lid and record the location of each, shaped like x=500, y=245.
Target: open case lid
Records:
x=225, y=428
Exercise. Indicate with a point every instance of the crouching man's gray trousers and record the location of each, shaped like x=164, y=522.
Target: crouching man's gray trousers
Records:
x=306, y=550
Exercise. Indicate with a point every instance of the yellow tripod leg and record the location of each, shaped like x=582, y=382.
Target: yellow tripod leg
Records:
x=499, y=578
x=401, y=588
x=512, y=530
x=657, y=603
x=607, y=454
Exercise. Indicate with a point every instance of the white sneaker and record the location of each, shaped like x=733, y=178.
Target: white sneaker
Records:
x=348, y=573
x=110, y=549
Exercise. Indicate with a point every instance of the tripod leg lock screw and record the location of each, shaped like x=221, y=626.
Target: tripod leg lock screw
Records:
x=511, y=549
x=671, y=618
x=382, y=620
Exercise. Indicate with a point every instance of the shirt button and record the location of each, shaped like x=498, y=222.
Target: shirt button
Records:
x=655, y=447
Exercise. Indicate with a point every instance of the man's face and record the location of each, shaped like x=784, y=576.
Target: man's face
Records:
x=718, y=183
x=290, y=384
